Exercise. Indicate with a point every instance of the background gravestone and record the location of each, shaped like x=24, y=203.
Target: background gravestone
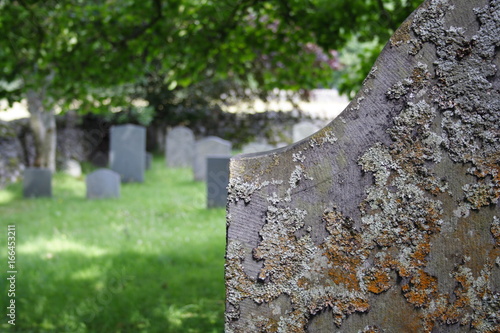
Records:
x=303, y=130
x=179, y=151
x=217, y=180
x=128, y=152
x=388, y=219
x=211, y=145
x=256, y=147
x=103, y=183
x=37, y=182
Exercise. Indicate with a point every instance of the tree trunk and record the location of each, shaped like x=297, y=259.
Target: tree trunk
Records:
x=43, y=125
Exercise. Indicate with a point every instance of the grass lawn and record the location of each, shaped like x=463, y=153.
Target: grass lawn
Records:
x=151, y=261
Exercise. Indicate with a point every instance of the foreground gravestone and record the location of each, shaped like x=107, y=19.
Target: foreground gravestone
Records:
x=388, y=219
x=102, y=184
x=256, y=147
x=303, y=130
x=127, y=154
x=211, y=145
x=217, y=180
x=37, y=182
x=179, y=151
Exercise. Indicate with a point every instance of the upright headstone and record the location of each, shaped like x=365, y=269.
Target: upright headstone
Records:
x=217, y=180
x=128, y=152
x=103, y=183
x=388, y=219
x=179, y=151
x=211, y=145
x=37, y=182
x=303, y=130
x=256, y=147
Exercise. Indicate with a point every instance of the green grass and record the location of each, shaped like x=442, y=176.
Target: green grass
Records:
x=151, y=261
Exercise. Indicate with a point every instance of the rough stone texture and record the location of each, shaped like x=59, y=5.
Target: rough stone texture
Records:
x=102, y=184
x=127, y=154
x=211, y=145
x=387, y=220
x=37, y=183
x=179, y=152
x=217, y=180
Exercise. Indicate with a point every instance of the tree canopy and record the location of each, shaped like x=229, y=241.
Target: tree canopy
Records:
x=90, y=45
x=101, y=53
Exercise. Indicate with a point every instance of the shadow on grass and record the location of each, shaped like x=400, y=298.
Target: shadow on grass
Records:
x=125, y=292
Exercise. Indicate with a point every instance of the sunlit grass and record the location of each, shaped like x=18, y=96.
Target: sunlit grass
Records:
x=151, y=261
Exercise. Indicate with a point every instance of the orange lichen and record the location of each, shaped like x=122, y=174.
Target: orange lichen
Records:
x=378, y=282
x=421, y=288
x=344, y=277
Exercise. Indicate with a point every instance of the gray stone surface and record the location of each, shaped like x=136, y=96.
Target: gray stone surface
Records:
x=127, y=153
x=217, y=180
x=180, y=145
x=102, y=184
x=37, y=182
x=303, y=130
x=387, y=219
x=208, y=146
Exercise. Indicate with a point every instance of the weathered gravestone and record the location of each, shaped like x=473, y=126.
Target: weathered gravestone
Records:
x=303, y=130
x=179, y=151
x=103, y=183
x=37, y=182
x=256, y=147
x=211, y=145
x=127, y=153
x=217, y=180
x=388, y=219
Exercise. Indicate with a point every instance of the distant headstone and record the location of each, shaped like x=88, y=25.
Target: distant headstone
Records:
x=128, y=152
x=211, y=145
x=37, y=182
x=103, y=183
x=256, y=147
x=217, y=180
x=387, y=219
x=72, y=168
x=303, y=130
x=179, y=151
x=149, y=160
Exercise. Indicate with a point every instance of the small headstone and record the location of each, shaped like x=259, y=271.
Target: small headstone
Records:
x=37, y=183
x=149, y=160
x=217, y=180
x=128, y=152
x=303, y=130
x=256, y=147
x=103, y=183
x=72, y=168
x=211, y=145
x=179, y=151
